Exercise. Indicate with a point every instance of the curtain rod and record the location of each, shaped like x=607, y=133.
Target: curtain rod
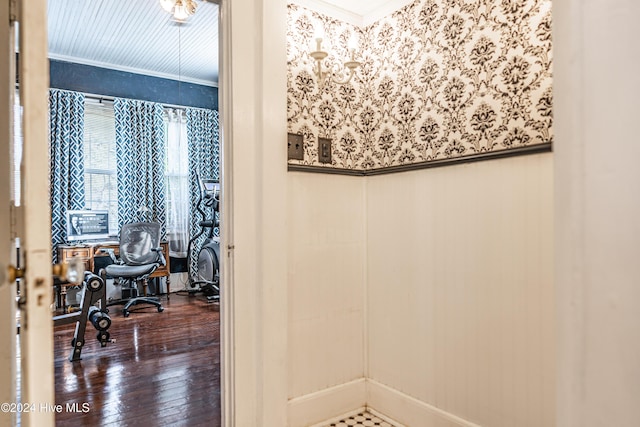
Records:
x=111, y=99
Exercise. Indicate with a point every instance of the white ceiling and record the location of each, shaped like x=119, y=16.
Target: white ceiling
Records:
x=137, y=36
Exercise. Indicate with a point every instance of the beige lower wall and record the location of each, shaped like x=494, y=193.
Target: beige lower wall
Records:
x=460, y=292
x=326, y=256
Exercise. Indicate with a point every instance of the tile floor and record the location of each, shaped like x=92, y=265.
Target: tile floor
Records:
x=359, y=420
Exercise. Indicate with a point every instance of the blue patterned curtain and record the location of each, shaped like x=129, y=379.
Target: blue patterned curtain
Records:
x=140, y=158
x=204, y=161
x=66, y=160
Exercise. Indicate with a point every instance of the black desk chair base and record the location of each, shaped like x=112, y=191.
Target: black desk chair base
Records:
x=131, y=299
x=128, y=303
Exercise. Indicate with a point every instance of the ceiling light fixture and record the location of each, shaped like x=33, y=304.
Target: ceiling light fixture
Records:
x=180, y=9
x=319, y=55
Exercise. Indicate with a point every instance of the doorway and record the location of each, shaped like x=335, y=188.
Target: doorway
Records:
x=254, y=213
x=102, y=60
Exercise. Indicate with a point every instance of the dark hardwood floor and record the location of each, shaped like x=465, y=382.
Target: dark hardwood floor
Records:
x=162, y=370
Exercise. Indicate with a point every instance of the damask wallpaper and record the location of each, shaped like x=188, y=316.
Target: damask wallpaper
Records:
x=439, y=79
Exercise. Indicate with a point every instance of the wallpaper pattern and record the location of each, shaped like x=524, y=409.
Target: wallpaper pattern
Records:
x=439, y=79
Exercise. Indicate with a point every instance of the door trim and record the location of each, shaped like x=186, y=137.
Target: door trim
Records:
x=36, y=324
x=8, y=352
x=254, y=308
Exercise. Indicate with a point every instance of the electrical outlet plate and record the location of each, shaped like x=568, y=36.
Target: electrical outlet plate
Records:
x=295, y=144
x=324, y=150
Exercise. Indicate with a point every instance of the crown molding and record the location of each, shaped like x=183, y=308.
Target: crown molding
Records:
x=350, y=17
x=332, y=11
x=383, y=11
x=132, y=70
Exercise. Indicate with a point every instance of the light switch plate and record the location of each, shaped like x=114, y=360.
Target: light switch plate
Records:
x=324, y=150
x=295, y=144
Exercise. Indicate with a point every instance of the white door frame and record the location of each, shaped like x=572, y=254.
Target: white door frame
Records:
x=227, y=361
x=36, y=325
x=7, y=291
x=254, y=208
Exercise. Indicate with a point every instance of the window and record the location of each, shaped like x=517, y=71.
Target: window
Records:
x=177, y=184
x=101, y=185
x=100, y=169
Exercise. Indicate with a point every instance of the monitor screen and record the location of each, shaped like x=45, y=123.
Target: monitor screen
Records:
x=87, y=225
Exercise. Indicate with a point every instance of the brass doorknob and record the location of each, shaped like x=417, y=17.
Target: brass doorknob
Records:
x=15, y=273
x=60, y=270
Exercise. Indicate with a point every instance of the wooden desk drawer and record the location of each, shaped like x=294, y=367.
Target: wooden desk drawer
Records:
x=67, y=253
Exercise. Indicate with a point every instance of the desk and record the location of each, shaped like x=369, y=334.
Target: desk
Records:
x=90, y=251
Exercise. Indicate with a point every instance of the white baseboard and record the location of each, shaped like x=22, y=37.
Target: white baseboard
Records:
x=409, y=411
x=335, y=403
x=328, y=404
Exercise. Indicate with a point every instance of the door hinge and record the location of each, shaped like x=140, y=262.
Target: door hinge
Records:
x=16, y=213
x=13, y=11
x=13, y=213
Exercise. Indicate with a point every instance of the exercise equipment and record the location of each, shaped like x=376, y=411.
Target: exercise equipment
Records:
x=207, y=276
x=93, y=292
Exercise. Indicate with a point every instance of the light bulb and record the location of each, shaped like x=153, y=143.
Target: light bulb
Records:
x=167, y=4
x=190, y=6
x=180, y=12
x=353, y=42
x=352, y=45
x=318, y=32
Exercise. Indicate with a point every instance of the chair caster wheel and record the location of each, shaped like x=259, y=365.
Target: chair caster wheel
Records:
x=160, y=309
x=126, y=313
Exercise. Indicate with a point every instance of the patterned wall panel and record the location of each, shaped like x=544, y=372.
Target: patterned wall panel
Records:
x=439, y=79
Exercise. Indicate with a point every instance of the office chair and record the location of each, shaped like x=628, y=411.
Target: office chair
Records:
x=140, y=256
